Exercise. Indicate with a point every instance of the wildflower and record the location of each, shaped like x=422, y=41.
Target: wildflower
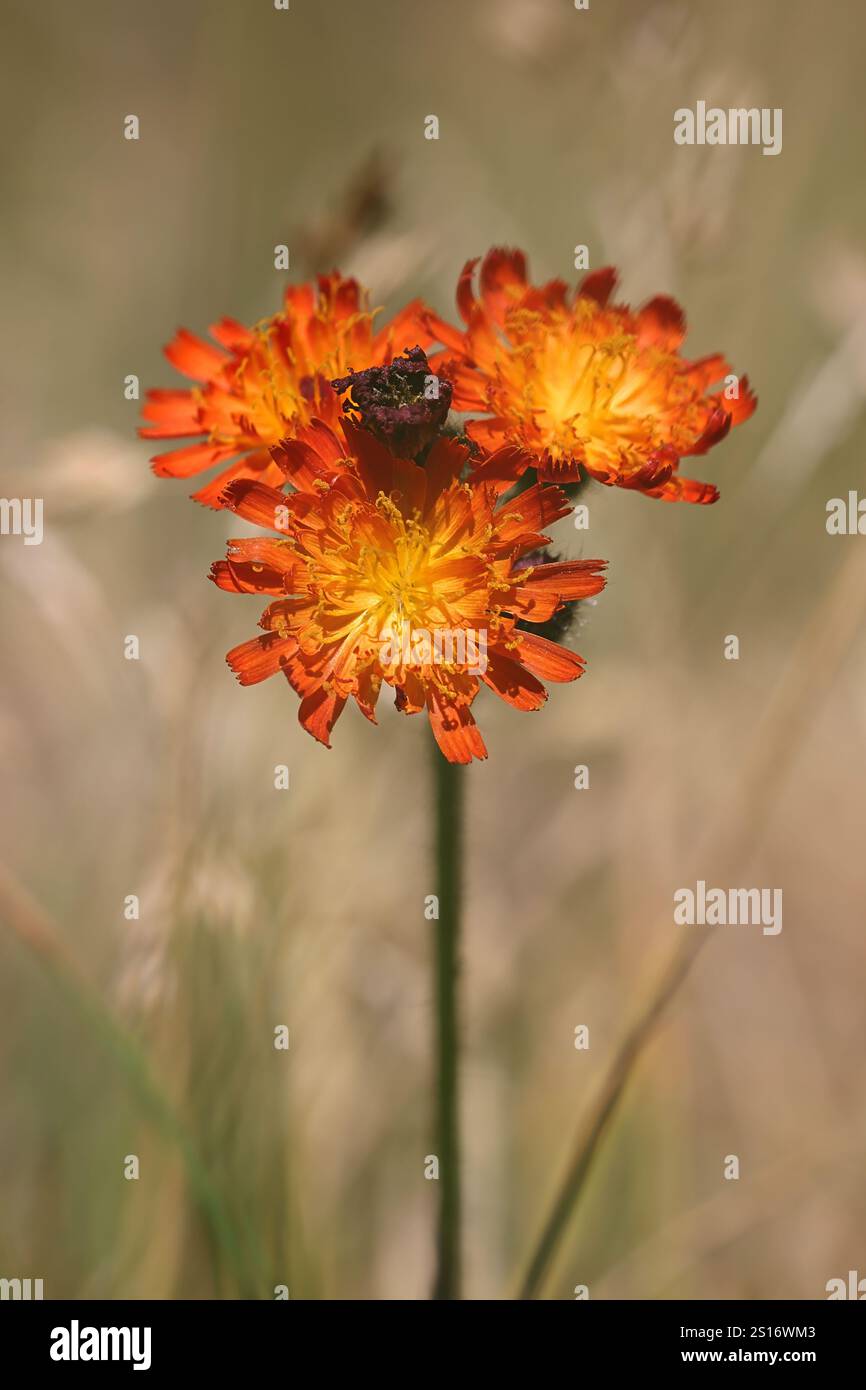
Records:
x=257, y=385
x=579, y=383
x=370, y=545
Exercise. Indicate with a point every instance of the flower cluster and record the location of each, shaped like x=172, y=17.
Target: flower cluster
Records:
x=397, y=553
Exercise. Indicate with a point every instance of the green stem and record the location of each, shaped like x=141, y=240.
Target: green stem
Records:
x=449, y=842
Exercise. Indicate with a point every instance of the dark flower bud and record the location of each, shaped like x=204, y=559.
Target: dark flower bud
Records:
x=405, y=404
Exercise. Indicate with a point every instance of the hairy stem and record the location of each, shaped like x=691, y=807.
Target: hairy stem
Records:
x=449, y=830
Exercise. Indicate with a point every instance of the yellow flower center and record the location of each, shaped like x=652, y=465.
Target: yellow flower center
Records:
x=605, y=398
x=381, y=574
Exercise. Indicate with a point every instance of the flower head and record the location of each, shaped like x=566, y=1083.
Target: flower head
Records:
x=257, y=385
x=580, y=383
x=383, y=571
x=404, y=404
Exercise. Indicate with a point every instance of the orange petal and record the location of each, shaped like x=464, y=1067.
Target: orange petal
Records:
x=264, y=550
x=512, y=683
x=530, y=511
x=548, y=659
x=715, y=430
x=569, y=579
x=598, y=285
x=195, y=357
x=556, y=470
x=661, y=323
x=255, y=502
x=369, y=684
x=319, y=712
x=410, y=486
x=502, y=280
x=302, y=464
x=326, y=443
x=679, y=489
x=375, y=463
x=300, y=301
x=454, y=729
x=410, y=697
x=173, y=414
x=246, y=579
x=468, y=386
x=261, y=657
x=445, y=463
x=466, y=301
x=258, y=565
x=707, y=370
x=407, y=329
x=506, y=465
x=744, y=405
x=231, y=335
x=441, y=332
x=536, y=606
x=255, y=465
x=194, y=458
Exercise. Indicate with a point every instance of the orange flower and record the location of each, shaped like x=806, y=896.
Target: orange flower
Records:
x=577, y=382
x=263, y=383
x=383, y=570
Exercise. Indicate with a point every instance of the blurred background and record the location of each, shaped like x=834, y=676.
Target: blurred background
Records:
x=154, y=1037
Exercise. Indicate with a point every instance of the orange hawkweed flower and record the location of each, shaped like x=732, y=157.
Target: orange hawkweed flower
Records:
x=381, y=570
x=257, y=385
x=580, y=383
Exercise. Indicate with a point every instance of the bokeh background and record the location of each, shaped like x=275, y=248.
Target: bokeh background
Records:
x=155, y=1037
